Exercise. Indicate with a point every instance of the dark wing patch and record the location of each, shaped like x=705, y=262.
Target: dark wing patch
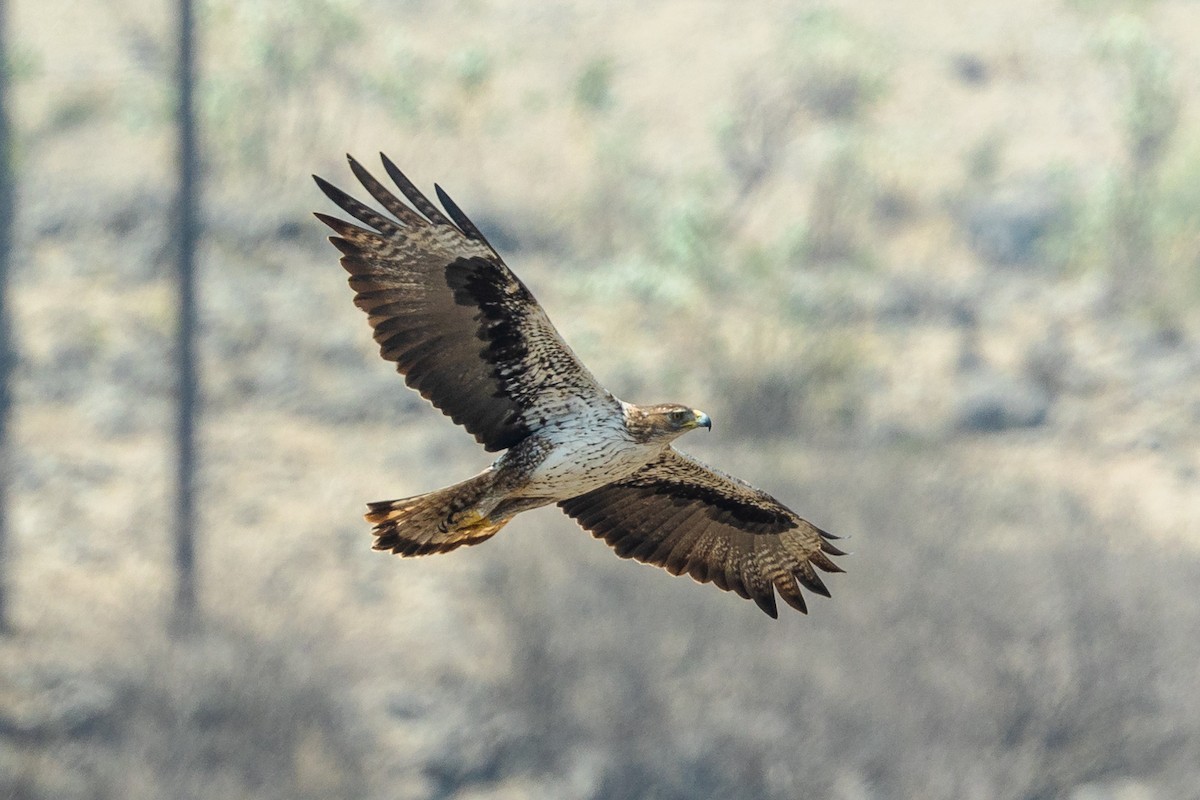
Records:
x=461, y=328
x=679, y=514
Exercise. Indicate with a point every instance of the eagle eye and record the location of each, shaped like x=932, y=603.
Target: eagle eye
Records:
x=678, y=417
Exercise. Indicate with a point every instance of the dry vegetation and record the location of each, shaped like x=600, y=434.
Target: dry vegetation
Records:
x=935, y=273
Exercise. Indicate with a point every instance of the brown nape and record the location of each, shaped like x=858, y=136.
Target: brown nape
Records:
x=649, y=423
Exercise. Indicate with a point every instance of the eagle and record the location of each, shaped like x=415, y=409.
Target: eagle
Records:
x=468, y=335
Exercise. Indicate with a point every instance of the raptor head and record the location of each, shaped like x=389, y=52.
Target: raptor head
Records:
x=663, y=422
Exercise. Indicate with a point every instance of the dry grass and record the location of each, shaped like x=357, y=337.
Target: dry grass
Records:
x=761, y=215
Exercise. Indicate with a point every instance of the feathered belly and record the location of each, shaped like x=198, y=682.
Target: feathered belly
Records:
x=576, y=466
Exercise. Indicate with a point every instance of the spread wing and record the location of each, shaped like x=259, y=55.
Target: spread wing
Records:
x=462, y=329
x=679, y=514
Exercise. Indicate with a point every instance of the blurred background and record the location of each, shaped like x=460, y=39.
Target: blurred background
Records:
x=933, y=269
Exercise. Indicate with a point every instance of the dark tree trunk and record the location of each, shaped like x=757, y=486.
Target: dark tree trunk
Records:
x=186, y=235
x=7, y=350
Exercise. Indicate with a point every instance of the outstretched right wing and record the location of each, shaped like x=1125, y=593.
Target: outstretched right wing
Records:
x=461, y=327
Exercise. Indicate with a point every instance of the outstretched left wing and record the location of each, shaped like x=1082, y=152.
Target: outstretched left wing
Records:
x=681, y=515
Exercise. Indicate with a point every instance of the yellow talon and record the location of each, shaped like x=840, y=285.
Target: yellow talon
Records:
x=468, y=519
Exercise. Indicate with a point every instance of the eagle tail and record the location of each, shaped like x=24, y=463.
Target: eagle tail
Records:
x=437, y=522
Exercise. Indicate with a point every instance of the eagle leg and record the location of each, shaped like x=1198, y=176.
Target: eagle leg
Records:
x=436, y=522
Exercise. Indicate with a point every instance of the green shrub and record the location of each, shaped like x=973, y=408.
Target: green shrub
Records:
x=593, y=86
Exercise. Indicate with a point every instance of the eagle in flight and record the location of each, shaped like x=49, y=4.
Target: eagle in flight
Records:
x=467, y=334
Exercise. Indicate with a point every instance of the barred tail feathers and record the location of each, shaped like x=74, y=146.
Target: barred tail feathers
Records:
x=437, y=522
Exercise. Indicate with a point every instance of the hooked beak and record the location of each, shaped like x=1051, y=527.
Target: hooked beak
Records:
x=702, y=419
